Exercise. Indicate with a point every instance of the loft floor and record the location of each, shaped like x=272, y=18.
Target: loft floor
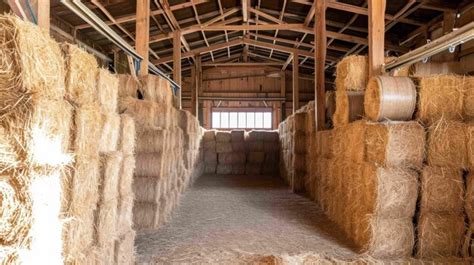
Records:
x=240, y=219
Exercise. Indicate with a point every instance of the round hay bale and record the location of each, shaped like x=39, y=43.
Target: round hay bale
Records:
x=395, y=144
x=442, y=190
x=351, y=73
x=390, y=98
x=447, y=144
x=349, y=107
x=440, y=97
x=439, y=235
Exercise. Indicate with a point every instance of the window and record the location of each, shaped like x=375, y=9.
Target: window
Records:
x=242, y=120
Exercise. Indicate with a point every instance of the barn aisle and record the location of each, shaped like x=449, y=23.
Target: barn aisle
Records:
x=232, y=219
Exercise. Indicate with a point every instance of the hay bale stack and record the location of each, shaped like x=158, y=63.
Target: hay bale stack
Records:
x=238, y=156
x=107, y=87
x=34, y=112
x=209, y=152
x=271, y=148
x=440, y=96
x=468, y=104
x=352, y=73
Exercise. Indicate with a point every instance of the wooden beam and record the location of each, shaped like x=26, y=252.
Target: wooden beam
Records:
x=296, y=91
x=241, y=64
x=320, y=59
x=42, y=10
x=143, y=33
x=267, y=16
x=132, y=17
x=177, y=63
x=245, y=10
x=376, y=36
x=276, y=47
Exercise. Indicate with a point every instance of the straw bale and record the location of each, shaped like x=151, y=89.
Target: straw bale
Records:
x=223, y=137
x=210, y=157
x=8, y=157
x=469, y=199
x=45, y=235
x=124, y=253
x=148, y=189
x=238, y=169
x=300, y=122
x=107, y=86
x=254, y=146
x=436, y=68
x=148, y=87
x=442, y=190
x=223, y=147
x=446, y=144
x=111, y=164
x=125, y=213
x=211, y=146
x=152, y=140
x=253, y=169
x=272, y=158
x=149, y=164
x=87, y=130
x=142, y=111
x=351, y=73
x=325, y=143
x=110, y=132
x=165, y=91
x=34, y=68
x=271, y=147
x=255, y=136
x=389, y=192
x=225, y=158
x=209, y=135
x=349, y=107
x=210, y=168
x=237, y=136
x=390, y=238
x=81, y=75
x=224, y=169
x=468, y=103
x=271, y=136
x=127, y=135
x=146, y=215
x=356, y=142
x=106, y=225
x=299, y=143
x=15, y=210
x=270, y=169
x=299, y=162
x=128, y=86
x=395, y=144
x=126, y=175
x=256, y=157
x=238, y=158
x=470, y=145
x=440, y=96
x=439, y=235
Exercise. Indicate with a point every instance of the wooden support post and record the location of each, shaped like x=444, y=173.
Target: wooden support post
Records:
x=282, y=94
x=41, y=9
x=320, y=58
x=143, y=33
x=195, y=73
x=376, y=36
x=296, y=91
x=177, y=63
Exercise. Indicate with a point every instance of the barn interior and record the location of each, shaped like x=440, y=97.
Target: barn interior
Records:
x=236, y=132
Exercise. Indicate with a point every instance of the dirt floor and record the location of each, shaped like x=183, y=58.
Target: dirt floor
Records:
x=246, y=220
x=221, y=217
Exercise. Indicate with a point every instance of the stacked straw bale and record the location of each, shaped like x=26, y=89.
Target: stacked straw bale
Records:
x=34, y=141
x=237, y=152
x=168, y=155
x=379, y=189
